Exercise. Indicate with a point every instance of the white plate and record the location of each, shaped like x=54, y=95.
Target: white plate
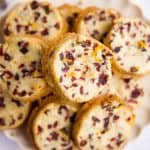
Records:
x=127, y=8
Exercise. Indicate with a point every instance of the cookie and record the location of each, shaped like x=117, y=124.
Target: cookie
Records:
x=12, y=112
x=70, y=12
x=96, y=22
x=129, y=40
x=76, y=65
x=20, y=68
x=51, y=126
x=35, y=18
x=103, y=124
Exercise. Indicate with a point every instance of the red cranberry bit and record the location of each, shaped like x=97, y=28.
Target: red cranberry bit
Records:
x=1, y=50
x=34, y=5
x=46, y=9
x=66, y=68
x=128, y=26
x=83, y=143
x=115, y=118
x=70, y=20
x=54, y=135
x=36, y=16
x=44, y=19
x=20, y=116
x=18, y=104
x=61, y=56
x=16, y=76
x=102, y=79
x=18, y=27
x=70, y=57
x=7, y=57
x=2, y=122
x=45, y=32
x=98, y=66
x=25, y=72
x=127, y=80
x=22, y=93
x=87, y=18
x=95, y=120
x=136, y=93
x=8, y=74
x=106, y=122
x=2, y=102
x=62, y=109
x=32, y=32
x=49, y=126
x=117, y=49
x=6, y=30
x=110, y=147
x=81, y=90
x=55, y=124
x=95, y=34
x=57, y=26
x=12, y=122
x=39, y=129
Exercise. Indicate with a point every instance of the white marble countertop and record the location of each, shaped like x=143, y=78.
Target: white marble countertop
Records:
x=141, y=143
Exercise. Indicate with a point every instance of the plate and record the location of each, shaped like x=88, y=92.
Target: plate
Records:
x=127, y=8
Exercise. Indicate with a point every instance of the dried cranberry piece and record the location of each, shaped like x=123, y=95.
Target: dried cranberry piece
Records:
x=6, y=31
x=136, y=93
x=2, y=121
x=2, y=104
x=34, y=5
x=7, y=57
x=117, y=49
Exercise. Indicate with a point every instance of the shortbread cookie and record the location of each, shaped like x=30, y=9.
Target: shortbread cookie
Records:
x=103, y=124
x=78, y=68
x=129, y=40
x=52, y=125
x=40, y=19
x=70, y=12
x=12, y=112
x=96, y=22
x=20, y=68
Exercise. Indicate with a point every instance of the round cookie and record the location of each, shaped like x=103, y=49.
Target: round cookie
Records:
x=103, y=124
x=129, y=40
x=12, y=112
x=51, y=126
x=35, y=18
x=76, y=65
x=96, y=22
x=20, y=68
x=70, y=13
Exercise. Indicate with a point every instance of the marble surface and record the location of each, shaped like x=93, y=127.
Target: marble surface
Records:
x=141, y=143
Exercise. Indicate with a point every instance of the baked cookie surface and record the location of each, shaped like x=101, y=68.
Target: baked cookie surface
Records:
x=35, y=18
x=12, y=112
x=103, y=124
x=20, y=68
x=129, y=40
x=70, y=12
x=96, y=22
x=52, y=125
x=79, y=68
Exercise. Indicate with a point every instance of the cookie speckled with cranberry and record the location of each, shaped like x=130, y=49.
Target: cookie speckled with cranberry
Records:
x=51, y=126
x=35, y=18
x=12, y=112
x=20, y=68
x=79, y=68
x=129, y=40
x=96, y=22
x=103, y=123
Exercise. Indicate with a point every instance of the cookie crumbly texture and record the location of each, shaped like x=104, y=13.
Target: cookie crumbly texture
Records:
x=51, y=126
x=12, y=112
x=96, y=22
x=129, y=40
x=70, y=13
x=35, y=18
x=76, y=65
x=20, y=68
x=103, y=123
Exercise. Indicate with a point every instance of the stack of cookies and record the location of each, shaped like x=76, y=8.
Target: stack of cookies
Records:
x=82, y=67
